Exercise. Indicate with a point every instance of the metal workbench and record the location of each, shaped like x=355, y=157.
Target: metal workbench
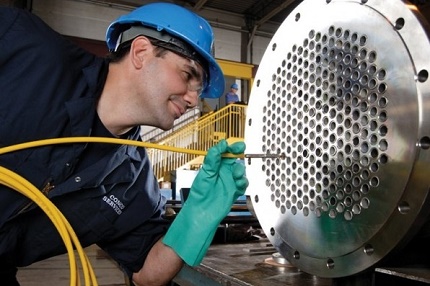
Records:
x=254, y=264
x=242, y=264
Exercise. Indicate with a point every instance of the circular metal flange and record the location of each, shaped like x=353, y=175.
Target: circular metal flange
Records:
x=343, y=92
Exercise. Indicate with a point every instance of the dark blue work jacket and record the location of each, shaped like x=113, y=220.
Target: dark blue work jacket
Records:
x=49, y=89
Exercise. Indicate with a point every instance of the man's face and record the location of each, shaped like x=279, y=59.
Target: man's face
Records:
x=172, y=84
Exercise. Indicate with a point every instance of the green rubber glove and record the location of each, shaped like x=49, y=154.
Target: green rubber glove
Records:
x=216, y=187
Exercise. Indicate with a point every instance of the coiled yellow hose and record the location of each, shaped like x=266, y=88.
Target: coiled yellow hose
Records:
x=23, y=186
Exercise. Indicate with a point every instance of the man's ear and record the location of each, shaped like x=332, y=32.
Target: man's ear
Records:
x=140, y=48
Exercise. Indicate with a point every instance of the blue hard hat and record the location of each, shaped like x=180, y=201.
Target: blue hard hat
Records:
x=180, y=23
x=235, y=86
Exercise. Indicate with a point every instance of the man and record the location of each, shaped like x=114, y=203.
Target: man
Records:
x=233, y=119
x=160, y=63
x=231, y=96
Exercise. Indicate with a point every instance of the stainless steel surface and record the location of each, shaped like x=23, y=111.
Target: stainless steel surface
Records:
x=245, y=264
x=278, y=258
x=343, y=92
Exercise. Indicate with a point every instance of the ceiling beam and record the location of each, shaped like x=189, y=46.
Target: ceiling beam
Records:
x=272, y=13
x=266, y=18
x=199, y=5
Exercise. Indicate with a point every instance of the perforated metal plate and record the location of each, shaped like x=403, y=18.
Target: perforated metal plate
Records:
x=343, y=92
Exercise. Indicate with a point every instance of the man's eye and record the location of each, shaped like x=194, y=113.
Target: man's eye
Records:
x=194, y=84
x=187, y=75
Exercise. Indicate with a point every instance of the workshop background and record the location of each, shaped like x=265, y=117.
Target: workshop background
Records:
x=272, y=235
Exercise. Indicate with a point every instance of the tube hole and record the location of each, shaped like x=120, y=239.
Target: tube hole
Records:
x=423, y=75
x=330, y=263
x=400, y=23
x=404, y=207
x=368, y=249
x=424, y=143
x=272, y=231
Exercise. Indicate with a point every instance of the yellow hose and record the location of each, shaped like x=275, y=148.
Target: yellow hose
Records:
x=69, y=140
x=20, y=184
x=23, y=186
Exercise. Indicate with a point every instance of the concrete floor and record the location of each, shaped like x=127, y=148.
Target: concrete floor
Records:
x=56, y=272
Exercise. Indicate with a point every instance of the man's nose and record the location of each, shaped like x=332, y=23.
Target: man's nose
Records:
x=191, y=97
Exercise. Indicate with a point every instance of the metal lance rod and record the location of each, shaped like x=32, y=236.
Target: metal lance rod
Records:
x=265, y=156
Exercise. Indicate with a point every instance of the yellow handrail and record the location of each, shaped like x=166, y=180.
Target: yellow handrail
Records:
x=201, y=134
